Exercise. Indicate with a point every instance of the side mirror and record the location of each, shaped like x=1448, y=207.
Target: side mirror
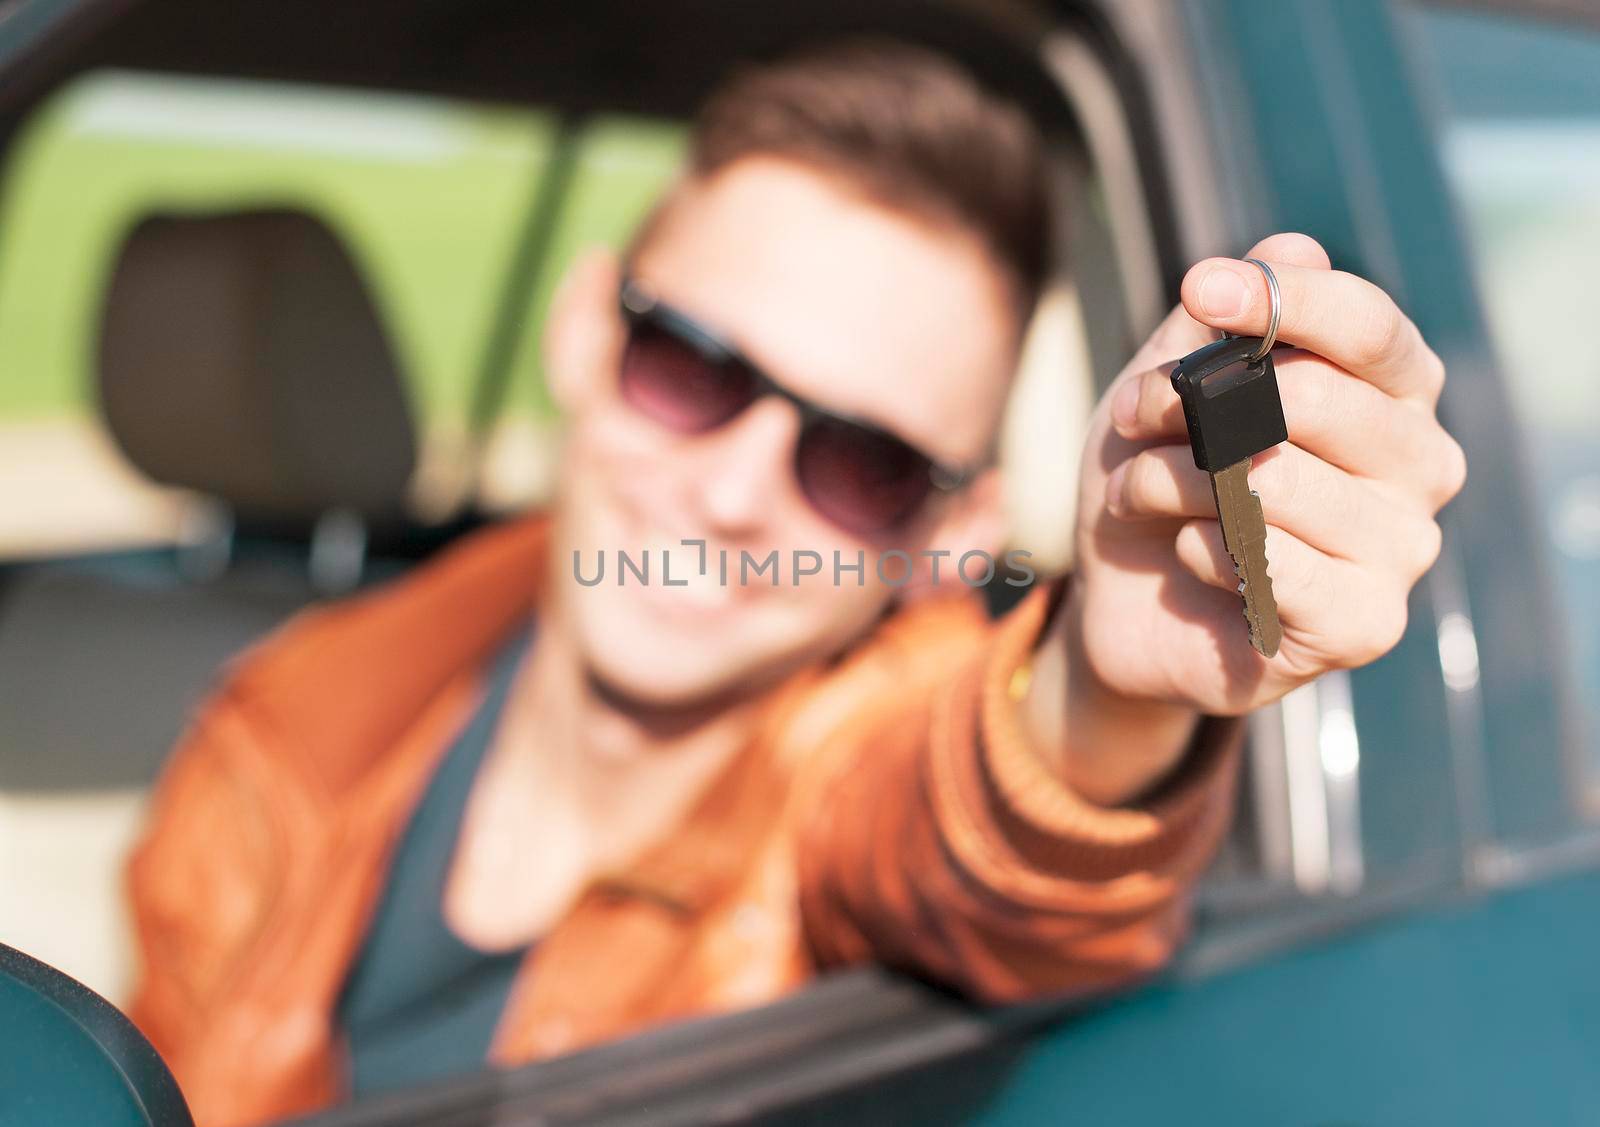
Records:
x=69, y=1056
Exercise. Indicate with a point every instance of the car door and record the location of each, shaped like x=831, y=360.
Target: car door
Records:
x=1456, y=157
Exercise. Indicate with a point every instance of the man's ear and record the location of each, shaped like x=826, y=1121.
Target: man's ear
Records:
x=975, y=520
x=583, y=335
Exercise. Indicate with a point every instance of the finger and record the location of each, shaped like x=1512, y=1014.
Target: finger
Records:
x=1179, y=333
x=1333, y=511
x=1146, y=407
x=1340, y=418
x=1330, y=312
x=1292, y=249
x=1335, y=607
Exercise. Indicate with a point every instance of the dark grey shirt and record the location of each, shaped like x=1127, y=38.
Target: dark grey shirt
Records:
x=420, y=1004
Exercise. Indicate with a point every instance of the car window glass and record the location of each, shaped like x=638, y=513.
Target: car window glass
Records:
x=612, y=171
x=421, y=192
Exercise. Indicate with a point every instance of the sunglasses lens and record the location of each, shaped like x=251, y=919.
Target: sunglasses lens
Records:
x=668, y=380
x=864, y=481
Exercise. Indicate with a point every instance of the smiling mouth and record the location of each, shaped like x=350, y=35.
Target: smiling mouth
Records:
x=689, y=588
x=676, y=580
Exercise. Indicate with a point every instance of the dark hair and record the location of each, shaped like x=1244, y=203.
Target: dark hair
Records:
x=909, y=127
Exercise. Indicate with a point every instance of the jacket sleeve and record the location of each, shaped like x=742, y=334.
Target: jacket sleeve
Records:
x=944, y=845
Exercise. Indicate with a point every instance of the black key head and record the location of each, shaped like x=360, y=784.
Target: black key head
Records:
x=1230, y=403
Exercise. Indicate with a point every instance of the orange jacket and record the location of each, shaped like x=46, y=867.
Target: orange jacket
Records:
x=889, y=809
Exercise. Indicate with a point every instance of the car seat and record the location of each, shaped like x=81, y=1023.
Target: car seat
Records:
x=241, y=358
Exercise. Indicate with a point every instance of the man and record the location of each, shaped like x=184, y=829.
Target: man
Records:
x=500, y=811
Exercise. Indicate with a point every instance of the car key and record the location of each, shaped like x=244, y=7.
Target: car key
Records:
x=1229, y=391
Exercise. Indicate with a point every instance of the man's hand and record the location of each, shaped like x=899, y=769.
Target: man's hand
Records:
x=1153, y=626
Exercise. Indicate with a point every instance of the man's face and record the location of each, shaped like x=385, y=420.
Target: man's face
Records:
x=866, y=311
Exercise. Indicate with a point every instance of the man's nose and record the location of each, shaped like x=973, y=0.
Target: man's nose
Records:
x=745, y=471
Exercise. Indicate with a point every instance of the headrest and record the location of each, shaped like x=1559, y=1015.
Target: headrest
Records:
x=241, y=355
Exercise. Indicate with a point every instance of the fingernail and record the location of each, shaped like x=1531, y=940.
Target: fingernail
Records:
x=1125, y=406
x=1114, y=489
x=1223, y=293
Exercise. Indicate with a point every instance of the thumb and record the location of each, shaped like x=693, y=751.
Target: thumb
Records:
x=1219, y=289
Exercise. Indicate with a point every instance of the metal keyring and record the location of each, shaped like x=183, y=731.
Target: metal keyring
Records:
x=1274, y=305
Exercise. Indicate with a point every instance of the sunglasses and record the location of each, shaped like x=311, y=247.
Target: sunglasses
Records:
x=860, y=477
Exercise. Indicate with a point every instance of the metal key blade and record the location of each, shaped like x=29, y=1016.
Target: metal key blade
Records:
x=1244, y=533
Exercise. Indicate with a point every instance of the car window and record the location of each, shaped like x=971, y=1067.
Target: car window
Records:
x=1519, y=105
x=460, y=218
